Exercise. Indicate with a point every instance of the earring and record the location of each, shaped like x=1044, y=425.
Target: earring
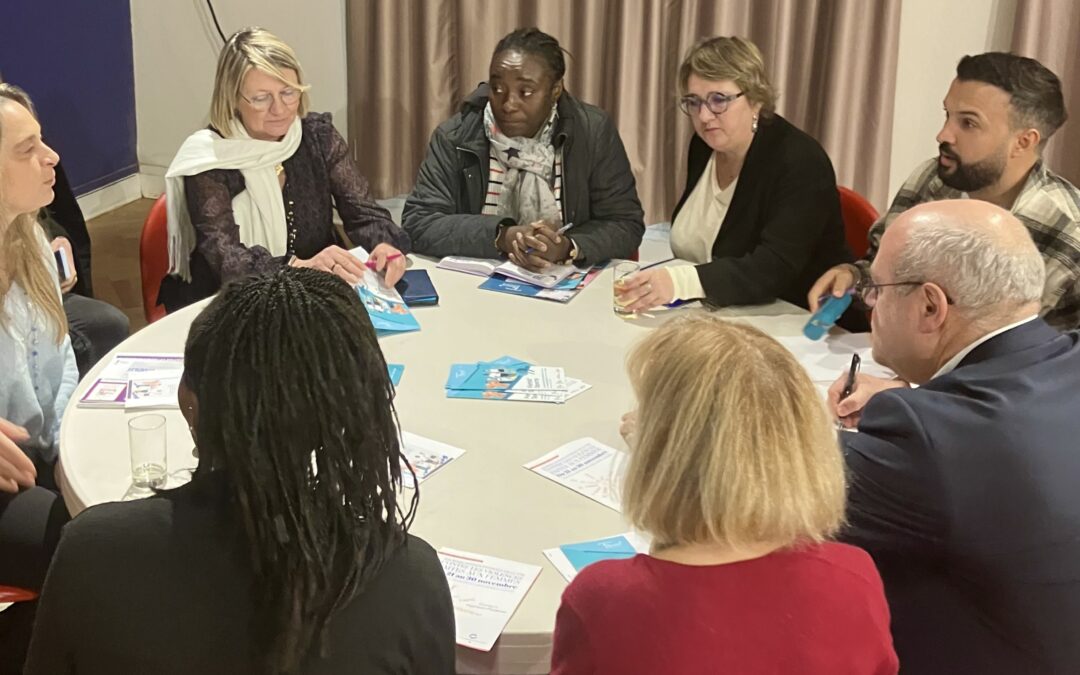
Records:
x=753, y=127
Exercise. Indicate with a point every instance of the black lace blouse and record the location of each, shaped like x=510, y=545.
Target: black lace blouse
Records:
x=320, y=176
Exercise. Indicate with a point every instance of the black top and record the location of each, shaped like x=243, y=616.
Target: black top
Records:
x=783, y=228
x=163, y=585
x=599, y=196
x=965, y=492
x=319, y=177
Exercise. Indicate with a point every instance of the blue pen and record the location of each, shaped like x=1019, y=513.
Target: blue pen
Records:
x=559, y=231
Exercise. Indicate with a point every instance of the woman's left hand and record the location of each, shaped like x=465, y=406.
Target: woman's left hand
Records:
x=389, y=260
x=646, y=289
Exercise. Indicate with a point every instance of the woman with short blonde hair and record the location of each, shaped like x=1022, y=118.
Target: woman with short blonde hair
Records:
x=759, y=219
x=749, y=442
x=736, y=474
x=257, y=190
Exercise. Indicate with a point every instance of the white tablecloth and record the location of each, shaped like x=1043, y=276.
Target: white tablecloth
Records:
x=485, y=501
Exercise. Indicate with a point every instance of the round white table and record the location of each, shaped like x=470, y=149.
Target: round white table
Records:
x=485, y=501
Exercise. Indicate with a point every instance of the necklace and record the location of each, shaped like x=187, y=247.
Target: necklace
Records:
x=279, y=169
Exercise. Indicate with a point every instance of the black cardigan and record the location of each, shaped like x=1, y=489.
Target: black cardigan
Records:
x=783, y=227
x=165, y=585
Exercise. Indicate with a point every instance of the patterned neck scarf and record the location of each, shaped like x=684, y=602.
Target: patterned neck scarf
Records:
x=529, y=163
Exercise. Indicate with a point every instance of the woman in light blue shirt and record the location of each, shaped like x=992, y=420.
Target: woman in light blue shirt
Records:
x=39, y=371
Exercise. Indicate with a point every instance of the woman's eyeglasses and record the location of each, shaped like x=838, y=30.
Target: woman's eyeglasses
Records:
x=714, y=101
x=263, y=102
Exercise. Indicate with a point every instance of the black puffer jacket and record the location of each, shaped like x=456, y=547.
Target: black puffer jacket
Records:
x=442, y=215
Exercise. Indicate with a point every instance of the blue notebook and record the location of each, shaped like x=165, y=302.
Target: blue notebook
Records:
x=416, y=288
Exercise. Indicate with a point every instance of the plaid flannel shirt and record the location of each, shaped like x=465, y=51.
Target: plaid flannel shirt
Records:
x=1048, y=205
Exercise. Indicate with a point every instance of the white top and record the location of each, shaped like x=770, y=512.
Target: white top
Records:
x=485, y=501
x=952, y=363
x=695, y=229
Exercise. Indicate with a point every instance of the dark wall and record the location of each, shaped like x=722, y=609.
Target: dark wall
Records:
x=74, y=58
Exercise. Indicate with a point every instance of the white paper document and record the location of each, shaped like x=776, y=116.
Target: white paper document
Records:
x=486, y=592
x=426, y=457
x=546, y=278
x=586, y=466
x=481, y=267
x=155, y=389
x=825, y=360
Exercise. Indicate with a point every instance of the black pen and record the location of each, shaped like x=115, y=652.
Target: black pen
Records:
x=849, y=386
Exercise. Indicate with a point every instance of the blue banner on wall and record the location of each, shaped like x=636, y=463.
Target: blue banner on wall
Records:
x=74, y=58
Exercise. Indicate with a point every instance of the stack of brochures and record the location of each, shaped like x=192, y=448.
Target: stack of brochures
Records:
x=136, y=381
x=388, y=312
x=564, y=291
x=510, y=379
x=558, y=282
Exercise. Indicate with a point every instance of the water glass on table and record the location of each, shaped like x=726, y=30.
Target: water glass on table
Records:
x=622, y=272
x=146, y=438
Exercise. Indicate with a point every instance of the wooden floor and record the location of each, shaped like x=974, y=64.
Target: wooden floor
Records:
x=115, y=240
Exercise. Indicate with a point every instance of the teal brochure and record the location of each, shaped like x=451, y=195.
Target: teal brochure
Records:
x=583, y=554
x=387, y=313
x=395, y=370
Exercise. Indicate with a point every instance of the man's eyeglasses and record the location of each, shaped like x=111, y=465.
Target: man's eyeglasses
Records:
x=867, y=291
x=263, y=102
x=716, y=103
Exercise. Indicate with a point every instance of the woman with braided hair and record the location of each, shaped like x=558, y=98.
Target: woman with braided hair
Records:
x=288, y=552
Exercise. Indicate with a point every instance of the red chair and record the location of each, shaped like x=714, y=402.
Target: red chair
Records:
x=13, y=594
x=154, y=258
x=858, y=215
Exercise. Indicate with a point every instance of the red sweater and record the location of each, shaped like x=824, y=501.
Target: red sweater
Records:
x=819, y=609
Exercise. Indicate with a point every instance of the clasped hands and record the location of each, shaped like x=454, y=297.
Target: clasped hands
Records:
x=535, y=246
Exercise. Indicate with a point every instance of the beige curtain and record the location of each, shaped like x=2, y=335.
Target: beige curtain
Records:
x=834, y=62
x=1047, y=30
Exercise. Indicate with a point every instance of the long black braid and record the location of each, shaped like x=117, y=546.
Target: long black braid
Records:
x=538, y=43
x=296, y=408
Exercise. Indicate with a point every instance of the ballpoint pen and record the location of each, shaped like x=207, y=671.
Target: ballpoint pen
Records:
x=849, y=385
x=370, y=264
x=559, y=231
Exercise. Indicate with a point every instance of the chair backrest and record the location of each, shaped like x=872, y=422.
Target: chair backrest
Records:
x=14, y=594
x=858, y=215
x=154, y=258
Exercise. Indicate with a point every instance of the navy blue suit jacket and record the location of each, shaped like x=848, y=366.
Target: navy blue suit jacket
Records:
x=966, y=491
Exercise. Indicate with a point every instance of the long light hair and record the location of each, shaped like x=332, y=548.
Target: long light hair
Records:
x=733, y=443
x=21, y=247
x=246, y=49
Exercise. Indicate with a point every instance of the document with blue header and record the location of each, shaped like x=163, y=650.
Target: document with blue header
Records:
x=569, y=559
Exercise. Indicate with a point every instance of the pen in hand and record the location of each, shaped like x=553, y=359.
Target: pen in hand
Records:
x=849, y=385
x=370, y=264
x=561, y=230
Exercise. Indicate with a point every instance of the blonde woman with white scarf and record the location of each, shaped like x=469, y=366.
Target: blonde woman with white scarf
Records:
x=256, y=191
